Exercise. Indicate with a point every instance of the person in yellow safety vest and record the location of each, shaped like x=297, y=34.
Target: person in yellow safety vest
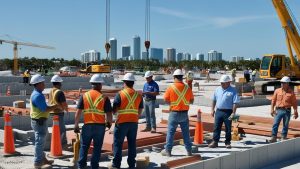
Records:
x=128, y=105
x=189, y=79
x=179, y=96
x=26, y=76
x=56, y=96
x=97, y=114
x=39, y=113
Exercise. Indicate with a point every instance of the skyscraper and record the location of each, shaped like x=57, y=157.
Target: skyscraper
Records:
x=144, y=55
x=157, y=53
x=113, y=49
x=237, y=58
x=171, y=54
x=90, y=56
x=137, y=47
x=125, y=51
x=200, y=56
x=187, y=56
x=214, y=56
x=179, y=57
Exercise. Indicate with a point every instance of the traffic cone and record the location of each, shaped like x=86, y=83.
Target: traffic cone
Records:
x=198, y=138
x=76, y=147
x=9, y=143
x=8, y=91
x=56, y=147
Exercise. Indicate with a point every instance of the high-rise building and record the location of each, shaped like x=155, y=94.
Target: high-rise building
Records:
x=179, y=56
x=200, y=56
x=236, y=59
x=214, y=56
x=125, y=51
x=187, y=56
x=90, y=56
x=144, y=55
x=137, y=47
x=113, y=49
x=157, y=53
x=171, y=54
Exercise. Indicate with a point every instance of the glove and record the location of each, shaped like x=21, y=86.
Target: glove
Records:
x=76, y=129
x=108, y=125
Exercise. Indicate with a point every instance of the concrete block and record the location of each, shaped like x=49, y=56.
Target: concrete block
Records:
x=259, y=157
x=286, y=150
x=273, y=151
x=214, y=163
x=228, y=161
x=21, y=135
x=297, y=147
x=242, y=160
x=198, y=165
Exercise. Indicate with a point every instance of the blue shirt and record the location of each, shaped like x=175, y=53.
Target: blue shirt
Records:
x=225, y=98
x=38, y=100
x=152, y=86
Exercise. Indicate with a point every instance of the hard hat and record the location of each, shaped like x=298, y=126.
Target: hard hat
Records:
x=97, y=78
x=56, y=78
x=128, y=77
x=148, y=74
x=37, y=79
x=225, y=78
x=190, y=75
x=178, y=72
x=285, y=79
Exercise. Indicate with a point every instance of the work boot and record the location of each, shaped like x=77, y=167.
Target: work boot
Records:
x=46, y=161
x=146, y=129
x=110, y=166
x=213, y=144
x=189, y=153
x=273, y=139
x=283, y=138
x=153, y=130
x=165, y=152
x=41, y=166
x=228, y=146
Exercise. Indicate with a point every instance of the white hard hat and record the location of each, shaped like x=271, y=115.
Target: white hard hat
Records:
x=225, y=78
x=128, y=77
x=37, y=79
x=285, y=79
x=56, y=78
x=97, y=78
x=148, y=74
x=178, y=72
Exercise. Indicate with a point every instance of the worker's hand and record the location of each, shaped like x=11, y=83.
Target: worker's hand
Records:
x=213, y=113
x=108, y=125
x=295, y=115
x=76, y=129
x=231, y=116
x=273, y=113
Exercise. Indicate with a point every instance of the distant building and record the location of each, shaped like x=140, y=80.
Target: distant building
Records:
x=236, y=59
x=157, y=53
x=137, y=47
x=248, y=59
x=200, y=56
x=125, y=51
x=113, y=49
x=144, y=55
x=214, y=56
x=90, y=56
x=179, y=56
x=187, y=56
x=171, y=54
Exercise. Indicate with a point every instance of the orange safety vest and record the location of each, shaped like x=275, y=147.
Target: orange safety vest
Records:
x=180, y=97
x=93, y=111
x=130, y=101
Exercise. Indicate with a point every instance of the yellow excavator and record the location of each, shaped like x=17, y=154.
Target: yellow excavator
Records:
x=275, y=66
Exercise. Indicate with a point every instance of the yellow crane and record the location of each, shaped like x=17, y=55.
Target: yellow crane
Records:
x=16, y=44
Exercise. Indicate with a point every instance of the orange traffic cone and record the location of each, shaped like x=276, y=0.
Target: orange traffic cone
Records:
x=8, y=91
x=56, y=147
x=9, y=143
x=198, y=138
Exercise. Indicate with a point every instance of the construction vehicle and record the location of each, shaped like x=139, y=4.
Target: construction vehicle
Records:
x=16, y=44
x=102, y=68
x=275, y=66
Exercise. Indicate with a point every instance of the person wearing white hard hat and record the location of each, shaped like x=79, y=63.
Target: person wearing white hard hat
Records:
x=39, y=114
x=150, y=91
x=127, y=105
x=57, y=96
x=224, y=105
x=179, y=96
x=189, y=79
x=26, y=76
x=97, y=115
x=283, y=99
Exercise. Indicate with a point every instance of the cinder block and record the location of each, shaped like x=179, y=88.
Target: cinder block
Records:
x=273, y=151
x=259, y=157
x=297, y=147
x=228, y=161
x=242, y=160
x=214, y=163
x=286, y=149
x=198, y=165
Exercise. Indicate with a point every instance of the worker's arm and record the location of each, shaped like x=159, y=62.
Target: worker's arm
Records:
x=77, y=118
x=39, y=101
x=61, y=98
x=273, y=103
x=108, y=111
x=167, y=96
x=213, y=105
x=295, y=105
x=141, y=106
x=152, y=93
x=116, y=103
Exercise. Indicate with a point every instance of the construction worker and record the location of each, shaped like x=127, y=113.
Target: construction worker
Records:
x=56, y=96
x=150, y=91
x=233, y=75
x=247, y=75
x=97, y=115
x=208, y=75
x=189, y=79
x=253, y=75
x=39, y=114
x=128, y=105
x=283, y=99
x=179, y=96
x=225, y=99
x=26, y=76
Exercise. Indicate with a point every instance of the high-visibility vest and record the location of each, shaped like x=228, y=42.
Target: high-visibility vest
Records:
x=179, y=101
x=93, y=111
x=52, y=99
x=26, y=74
x=130, y=101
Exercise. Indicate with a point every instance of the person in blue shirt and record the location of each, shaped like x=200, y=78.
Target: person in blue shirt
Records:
x=225, y=101
x=150, y=91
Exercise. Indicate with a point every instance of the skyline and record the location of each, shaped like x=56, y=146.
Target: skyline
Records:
x=235, y=28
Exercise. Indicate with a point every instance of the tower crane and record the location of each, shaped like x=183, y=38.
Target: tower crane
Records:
x=16, y=44
x=147, y=27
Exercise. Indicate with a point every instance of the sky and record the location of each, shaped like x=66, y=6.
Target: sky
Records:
x=248, y=28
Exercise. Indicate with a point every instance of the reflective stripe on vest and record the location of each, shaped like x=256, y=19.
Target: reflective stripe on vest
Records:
x=93, y=106
x=181, y=96
x=130, y=108
x=53, y=96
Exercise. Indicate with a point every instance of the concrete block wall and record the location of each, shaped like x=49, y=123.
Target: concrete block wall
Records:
x=8, y=100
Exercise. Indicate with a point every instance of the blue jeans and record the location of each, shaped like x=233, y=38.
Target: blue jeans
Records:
x=182, y=119
x=281, y=114
x=149, y=111
x=62, y=127
x=220, y=117
x=40, y=133
x=91, y=132
x=130, y=131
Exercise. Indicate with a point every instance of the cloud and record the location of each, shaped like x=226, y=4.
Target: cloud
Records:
x=171, y=12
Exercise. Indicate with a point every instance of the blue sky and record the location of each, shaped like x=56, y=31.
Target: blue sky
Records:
x=248, y=28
